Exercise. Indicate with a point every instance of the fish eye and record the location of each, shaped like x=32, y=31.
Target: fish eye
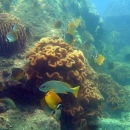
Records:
x=59, y=106
x=43, y=87
x=7, y=40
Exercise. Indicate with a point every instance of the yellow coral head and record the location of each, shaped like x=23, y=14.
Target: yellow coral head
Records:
x=99, y=59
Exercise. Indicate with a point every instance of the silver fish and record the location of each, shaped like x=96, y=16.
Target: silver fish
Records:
x=59, y=87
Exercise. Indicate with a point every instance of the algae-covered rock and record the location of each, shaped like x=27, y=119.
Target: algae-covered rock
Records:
x=30, y=119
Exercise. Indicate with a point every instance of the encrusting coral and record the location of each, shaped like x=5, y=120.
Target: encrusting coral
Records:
x=121, y=73
x=54, y=59
x=113, y=92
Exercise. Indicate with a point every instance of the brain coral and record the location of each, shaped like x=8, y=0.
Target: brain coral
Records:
x=54, y=59
x=6, y=23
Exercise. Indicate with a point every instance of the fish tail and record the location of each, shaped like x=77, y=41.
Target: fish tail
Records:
x=75, y=91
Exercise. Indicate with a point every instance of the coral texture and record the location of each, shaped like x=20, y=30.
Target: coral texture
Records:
x=6, y=23
x=121, y=73
x=113, y=92
x=54, y=59
x=36, y=119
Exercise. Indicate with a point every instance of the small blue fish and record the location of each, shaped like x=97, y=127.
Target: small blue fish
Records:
x=68, y=38
x=11, y=36
x=6, y=5
x=15, y=27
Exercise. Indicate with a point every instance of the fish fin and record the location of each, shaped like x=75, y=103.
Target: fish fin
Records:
x=57, y=114
x=52, y=90
x=65, y=93
x=72, y=43
x=75, y=91
x=43, y=102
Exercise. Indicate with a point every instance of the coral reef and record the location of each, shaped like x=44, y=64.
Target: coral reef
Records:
x=121, y=73
x=113, y=92
x=91, y=18
x=6, y=63
x=6, y=23
x=88, y=37
x=28, y=120
x=54, y=59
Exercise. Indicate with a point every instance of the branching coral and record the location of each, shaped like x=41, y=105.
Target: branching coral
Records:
x=54, y=59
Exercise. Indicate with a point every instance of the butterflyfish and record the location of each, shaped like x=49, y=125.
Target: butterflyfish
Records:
x=77, y=22
x=99, y=59
x=45, y=106
x=17, y=74
x=59, y=87
x=68, y=38
x=58, y=24
x=11, y=36
x=48, y=110
x=8, y=102
x=6, y=5
x=53, y=100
